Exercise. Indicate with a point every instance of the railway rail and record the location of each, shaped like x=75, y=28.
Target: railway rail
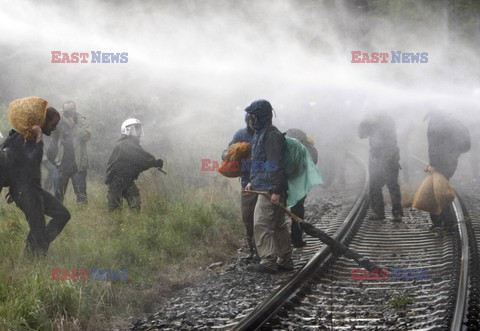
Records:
x=327, y=292
x=431, y=279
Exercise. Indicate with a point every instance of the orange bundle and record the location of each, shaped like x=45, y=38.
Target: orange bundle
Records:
x=232, y=166
x=27, y=112
x=434, y=194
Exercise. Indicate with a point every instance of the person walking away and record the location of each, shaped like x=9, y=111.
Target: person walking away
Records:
x=447, y=139
x=383, y=164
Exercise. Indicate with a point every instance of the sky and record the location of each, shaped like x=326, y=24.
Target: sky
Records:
x=193, y=66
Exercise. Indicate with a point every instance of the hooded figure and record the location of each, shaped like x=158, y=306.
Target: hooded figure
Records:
x=267, y=174
x=299, y=208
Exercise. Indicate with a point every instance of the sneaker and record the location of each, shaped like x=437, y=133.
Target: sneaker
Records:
x=289, y=266
x=262, y=268
x=376, y=217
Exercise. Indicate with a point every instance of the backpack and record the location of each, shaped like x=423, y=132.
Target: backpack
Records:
x=302, y=174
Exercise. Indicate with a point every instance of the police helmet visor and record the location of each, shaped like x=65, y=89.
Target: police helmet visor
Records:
x=136, y=130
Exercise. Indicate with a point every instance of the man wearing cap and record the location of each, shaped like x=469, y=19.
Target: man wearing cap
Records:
x=272, y=237
x=68, y=151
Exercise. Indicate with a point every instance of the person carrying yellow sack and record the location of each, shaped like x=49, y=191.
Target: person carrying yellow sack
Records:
x=447, y=140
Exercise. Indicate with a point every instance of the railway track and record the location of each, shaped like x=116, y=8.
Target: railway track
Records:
x=230, y=294
x=431, y=284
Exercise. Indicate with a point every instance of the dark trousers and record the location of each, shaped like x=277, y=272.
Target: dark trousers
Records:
x=296, y=229
x=79, y=182
x=446, y=217
x=119, y=188
x=384, y=172
x=49, y=179
x=248, y=201
x=35, y=204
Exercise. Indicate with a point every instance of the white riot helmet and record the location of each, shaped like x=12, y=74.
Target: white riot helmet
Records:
x=132, y=127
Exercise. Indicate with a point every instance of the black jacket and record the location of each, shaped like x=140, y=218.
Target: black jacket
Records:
x=447, y=139
x=274, y=150
x=129, y=159
x=27, y=157
x=382, y=136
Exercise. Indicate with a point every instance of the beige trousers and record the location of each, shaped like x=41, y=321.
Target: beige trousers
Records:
x=272, y=237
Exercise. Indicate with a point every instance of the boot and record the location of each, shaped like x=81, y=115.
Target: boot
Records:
x=253, y=251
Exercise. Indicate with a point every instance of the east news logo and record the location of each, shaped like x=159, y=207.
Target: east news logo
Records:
x=97, y=274
x=397, y=57
x=396, y=274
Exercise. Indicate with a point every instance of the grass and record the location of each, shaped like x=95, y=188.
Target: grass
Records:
x=400, y=301
x=163, y=248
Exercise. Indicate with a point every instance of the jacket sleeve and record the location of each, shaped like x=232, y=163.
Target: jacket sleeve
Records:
x=83, y=129
x=274, y=149
x=34, y=151
x=52, y=150
x=140, y=159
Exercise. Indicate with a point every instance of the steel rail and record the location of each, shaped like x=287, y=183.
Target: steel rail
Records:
x=463, y=284
x=266, y=309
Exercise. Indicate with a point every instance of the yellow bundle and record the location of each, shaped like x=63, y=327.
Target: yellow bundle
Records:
x=434, y=194
x=27, y=112
x=232, y=166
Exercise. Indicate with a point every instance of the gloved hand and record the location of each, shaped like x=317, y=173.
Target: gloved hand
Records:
x=159, y=164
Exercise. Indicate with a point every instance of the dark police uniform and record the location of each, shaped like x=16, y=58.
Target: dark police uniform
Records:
x=127, y=161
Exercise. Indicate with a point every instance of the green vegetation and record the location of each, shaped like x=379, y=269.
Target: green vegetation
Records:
x=164, y=247
x=400, y=301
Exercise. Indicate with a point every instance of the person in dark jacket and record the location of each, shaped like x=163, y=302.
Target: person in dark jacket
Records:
x=447, y=140
x=383, y=164
x=267, y=174
x=299, y=208
x=248, y=200
x=68, y=152
x=26, y=189
x=126, y=162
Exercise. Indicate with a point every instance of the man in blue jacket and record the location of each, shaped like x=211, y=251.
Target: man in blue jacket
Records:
x=272, y=237
x=248, y=200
